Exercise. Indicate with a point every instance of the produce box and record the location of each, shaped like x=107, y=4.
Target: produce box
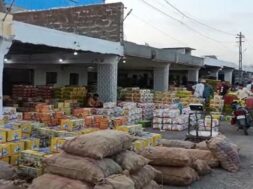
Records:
x=131, y=129
x=12, y=134
x=3, y=136
x=14, y=160
x=16, y=147
x=32, y=158
x=6, y=149
x=30, y=171
x=56, y=144
x=32, y=144
x=5, y=159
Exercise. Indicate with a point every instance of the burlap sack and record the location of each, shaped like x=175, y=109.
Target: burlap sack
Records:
x=79, y=168
x=49, y=181
x=116, y=182
x=226, y=153
x=152, y=185
x=176, y=143
x=7, y=172
x=131, y=161
x=143, y=176
x=201, y=167
x=206, y=155
x=201, y=146
x=167, y=156
x=99, y=144
x=176, y=176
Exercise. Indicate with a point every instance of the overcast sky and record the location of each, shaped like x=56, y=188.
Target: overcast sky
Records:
x=147, y=25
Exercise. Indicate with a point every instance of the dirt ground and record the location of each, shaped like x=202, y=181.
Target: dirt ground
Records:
x=220, y=179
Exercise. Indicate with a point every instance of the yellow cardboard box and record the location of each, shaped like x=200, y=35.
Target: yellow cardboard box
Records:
x=56, y=144
x=3, y=136
x=17, y=147
x=12, y=134
x=26, y=135
x=6, y=149
x=6, y=159
x=138, y=146
x=26, y=127
x=32, y=144
x=14, y=160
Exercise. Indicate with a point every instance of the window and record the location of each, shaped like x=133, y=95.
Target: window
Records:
x=74, y=79
x=51, y=78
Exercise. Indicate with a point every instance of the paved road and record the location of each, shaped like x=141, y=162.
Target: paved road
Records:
x=220, y=179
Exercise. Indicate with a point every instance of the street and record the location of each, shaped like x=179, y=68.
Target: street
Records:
x=220, y=179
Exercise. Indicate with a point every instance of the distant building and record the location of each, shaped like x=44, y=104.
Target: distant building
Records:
x=47, y=4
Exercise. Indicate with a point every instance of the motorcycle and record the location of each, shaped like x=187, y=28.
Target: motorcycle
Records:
x=242, y=117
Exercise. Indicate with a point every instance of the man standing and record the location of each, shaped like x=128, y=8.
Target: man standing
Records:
x=199, y=89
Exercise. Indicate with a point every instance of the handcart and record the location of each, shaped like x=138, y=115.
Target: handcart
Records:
x=200, y=124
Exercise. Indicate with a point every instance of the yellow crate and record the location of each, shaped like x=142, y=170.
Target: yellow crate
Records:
x=56, y=144
x=155, y=138
x=138, y=146
x=26, y=135
x=6, y=159
x=88, y=130
x=32, y=144
x=6, y=149
x=3, y=136
x=14, y=159
x=12, y=134
x=17, y=147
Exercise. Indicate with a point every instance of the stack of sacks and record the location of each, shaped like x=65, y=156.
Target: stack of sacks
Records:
x=169, y=119
x=87, y=161
x=174, y=165
x=147, y=110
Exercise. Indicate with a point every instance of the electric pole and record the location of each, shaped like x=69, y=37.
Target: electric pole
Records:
x=240, y=37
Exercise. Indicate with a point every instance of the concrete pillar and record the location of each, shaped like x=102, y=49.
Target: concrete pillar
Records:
x=107, y=79
x=193, y=75
x=4, y=49
x=161, y=78
x=228, y=74
x=83, y=76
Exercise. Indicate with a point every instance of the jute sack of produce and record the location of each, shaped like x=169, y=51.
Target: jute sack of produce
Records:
x=116, y=182
x=152, y=185
x=99, y=144
x=234, y=146
x=201, y=146
x=224, y=151
x=49, y=181
x=143, y=176
x=176, y=143
x=7, y=172
x=176, y=176
x=207, y=155
x=202, y=167
x=131, y=161
x=80, y=168
x=167, y=156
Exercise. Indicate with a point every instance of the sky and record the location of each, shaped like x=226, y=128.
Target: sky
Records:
x=221, y=20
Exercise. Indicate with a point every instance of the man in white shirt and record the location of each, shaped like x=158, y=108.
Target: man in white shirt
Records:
x=249, y=85
x=243, y=92
x=199, y=89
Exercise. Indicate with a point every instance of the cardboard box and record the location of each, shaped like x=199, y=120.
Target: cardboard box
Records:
x=30, y=171
x=17, y=147
x=6, y=149
x=14, y=160
x=32, y=144
x=12, y=134
x=6, y=159
x=3, y=136
x=56, y=144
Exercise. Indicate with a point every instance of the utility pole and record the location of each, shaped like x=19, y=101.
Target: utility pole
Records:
x=240, y=38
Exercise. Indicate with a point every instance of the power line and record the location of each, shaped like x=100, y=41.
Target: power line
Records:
x=181, y=22
x=158, y=29
x=195, y=20
x=240, y=37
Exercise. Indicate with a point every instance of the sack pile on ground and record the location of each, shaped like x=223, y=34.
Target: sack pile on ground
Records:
x=99, y=160
x=174, y=165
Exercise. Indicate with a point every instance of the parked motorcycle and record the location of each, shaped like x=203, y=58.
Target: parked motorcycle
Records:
x=242, y=117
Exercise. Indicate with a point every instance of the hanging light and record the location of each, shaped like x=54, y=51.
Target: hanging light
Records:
x=60, y=60
x=75, y=53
